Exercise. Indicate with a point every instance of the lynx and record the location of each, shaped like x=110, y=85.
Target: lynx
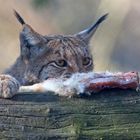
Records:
x=42, y=57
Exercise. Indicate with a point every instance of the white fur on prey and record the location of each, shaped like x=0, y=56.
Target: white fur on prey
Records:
x=66, y=87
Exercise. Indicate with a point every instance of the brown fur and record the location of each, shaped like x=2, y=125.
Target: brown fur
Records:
x=43, y=57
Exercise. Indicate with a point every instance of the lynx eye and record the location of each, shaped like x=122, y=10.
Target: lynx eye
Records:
x=61, y=63
x=86, y=61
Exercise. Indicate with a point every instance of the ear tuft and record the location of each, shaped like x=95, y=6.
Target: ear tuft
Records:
x=89, y=32
x=98, y=22
x=19, y=18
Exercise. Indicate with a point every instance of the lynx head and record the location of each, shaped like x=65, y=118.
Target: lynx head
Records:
x=54, y=56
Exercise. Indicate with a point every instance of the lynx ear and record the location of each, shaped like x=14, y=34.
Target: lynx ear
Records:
x=89, y=32
x=28, y=35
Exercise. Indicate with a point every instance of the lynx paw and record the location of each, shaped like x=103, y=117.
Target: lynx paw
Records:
x=9, y=86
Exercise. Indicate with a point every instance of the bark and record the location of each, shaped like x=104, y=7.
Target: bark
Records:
x=111, y=114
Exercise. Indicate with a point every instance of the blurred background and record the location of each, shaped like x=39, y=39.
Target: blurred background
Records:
x=115, y=46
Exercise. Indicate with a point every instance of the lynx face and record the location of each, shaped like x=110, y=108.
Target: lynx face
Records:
x=63, y=56
x=55, y=56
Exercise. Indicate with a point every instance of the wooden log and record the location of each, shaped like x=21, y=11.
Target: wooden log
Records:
x=111, y=114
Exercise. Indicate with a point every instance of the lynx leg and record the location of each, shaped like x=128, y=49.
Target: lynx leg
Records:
x=9, y=86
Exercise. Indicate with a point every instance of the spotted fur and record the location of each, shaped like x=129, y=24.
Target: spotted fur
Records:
x=42, y=57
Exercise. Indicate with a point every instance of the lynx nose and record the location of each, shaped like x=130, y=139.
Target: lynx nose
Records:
x=73, y=68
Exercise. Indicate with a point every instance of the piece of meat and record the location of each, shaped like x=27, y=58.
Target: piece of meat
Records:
x=103, y=81
x=86, y=83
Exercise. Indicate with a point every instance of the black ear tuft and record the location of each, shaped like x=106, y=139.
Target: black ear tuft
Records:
x=19, y=18
x=99, y=21
x=89, y=32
